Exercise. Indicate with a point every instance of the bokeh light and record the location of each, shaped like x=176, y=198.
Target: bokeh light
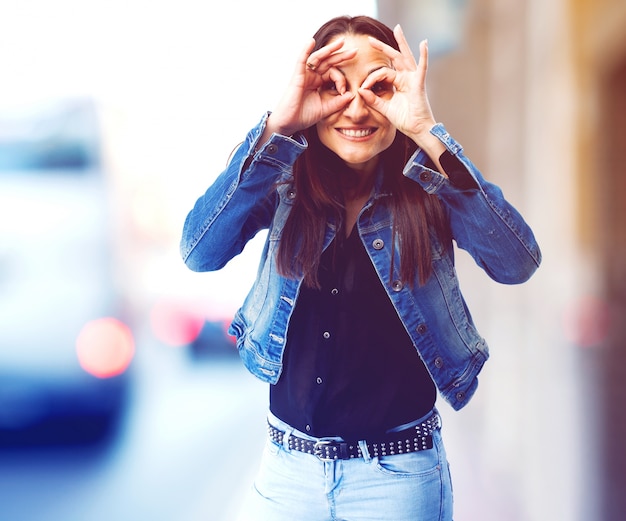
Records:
x=586, y=323
x=105, y=347
x=174, y=323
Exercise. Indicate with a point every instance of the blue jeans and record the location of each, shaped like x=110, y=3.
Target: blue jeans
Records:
x=295, y=486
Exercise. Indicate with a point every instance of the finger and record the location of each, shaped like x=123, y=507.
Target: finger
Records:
x=333, y=60
x=389, y=51
x=424, y=54
x=401, y=59
x=384, y=74
x=373, y=101
x=305, y=53
x=337, y=58
x=422, y=66
x=403, y=44
x=313, y=60
x=398, y=60
x=338, y=79
x=337, y=103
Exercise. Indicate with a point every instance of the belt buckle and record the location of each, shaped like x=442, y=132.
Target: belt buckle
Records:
x=324, y=455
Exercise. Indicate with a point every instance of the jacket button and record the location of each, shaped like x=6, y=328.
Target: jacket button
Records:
x=378, y=244
x=397, y=285
x=291, y=193
x=272, y=149
x=438, y=362
x=426, y=176
x=421, y=329
x=460, y=396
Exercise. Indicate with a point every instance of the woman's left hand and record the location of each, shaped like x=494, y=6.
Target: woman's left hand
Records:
x=408, y=109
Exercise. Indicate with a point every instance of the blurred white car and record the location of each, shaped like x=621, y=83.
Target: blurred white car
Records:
x=65, y=349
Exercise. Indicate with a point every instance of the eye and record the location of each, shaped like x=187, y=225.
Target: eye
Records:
x=381, y=88
x=329, y=87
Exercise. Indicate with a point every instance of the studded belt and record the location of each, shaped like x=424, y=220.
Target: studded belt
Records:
x=413, y=439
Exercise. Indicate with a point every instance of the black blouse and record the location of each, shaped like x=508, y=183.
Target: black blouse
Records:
x=350, y=368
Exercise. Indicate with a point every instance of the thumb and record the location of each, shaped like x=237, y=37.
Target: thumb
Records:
x=339, y=102
x=377, y=103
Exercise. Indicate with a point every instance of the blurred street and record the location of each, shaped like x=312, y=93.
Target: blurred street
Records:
x=187, y=451
x=115, y=116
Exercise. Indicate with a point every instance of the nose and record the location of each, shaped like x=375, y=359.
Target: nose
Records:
x=357, y=109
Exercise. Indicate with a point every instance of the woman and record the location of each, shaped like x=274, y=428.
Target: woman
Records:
x=356, y=317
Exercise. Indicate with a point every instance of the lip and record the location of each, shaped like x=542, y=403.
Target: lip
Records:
x=360, y=133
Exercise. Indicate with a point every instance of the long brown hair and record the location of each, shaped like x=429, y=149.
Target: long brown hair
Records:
x=318, y=175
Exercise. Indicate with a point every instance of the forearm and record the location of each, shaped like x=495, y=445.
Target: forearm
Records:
x=220, y=222
x=239, y=203
x=482, y=221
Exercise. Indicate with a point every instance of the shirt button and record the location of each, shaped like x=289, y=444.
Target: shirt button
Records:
x=426, y=176
x=438, y=362
x=421, y=329
x=319, y=381
x=397, y=285
x=326, y=335
x=272, y=149
x=291, y=193
x=460, y=396
x=378, y=244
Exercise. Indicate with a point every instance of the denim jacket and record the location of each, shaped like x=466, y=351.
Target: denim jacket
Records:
x=254, y=193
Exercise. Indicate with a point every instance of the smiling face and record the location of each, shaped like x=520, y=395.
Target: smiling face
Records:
x=357, y=134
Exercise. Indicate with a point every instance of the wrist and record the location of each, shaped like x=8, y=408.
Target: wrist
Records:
x=431, y=146
x=271, y=127
x=275, y=126
x=428, y=142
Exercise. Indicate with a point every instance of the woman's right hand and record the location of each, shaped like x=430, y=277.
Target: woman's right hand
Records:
x=301, y=105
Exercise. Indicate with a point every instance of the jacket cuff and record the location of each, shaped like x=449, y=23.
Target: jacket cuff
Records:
x=279, y=149
x=422, y=169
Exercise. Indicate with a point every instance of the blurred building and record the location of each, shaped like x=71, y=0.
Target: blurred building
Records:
x=536, y=92
x=599, y=43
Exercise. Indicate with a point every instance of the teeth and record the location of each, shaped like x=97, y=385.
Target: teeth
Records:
x=356, y=133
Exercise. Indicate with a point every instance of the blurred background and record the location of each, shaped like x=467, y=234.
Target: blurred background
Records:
x=121, y=395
